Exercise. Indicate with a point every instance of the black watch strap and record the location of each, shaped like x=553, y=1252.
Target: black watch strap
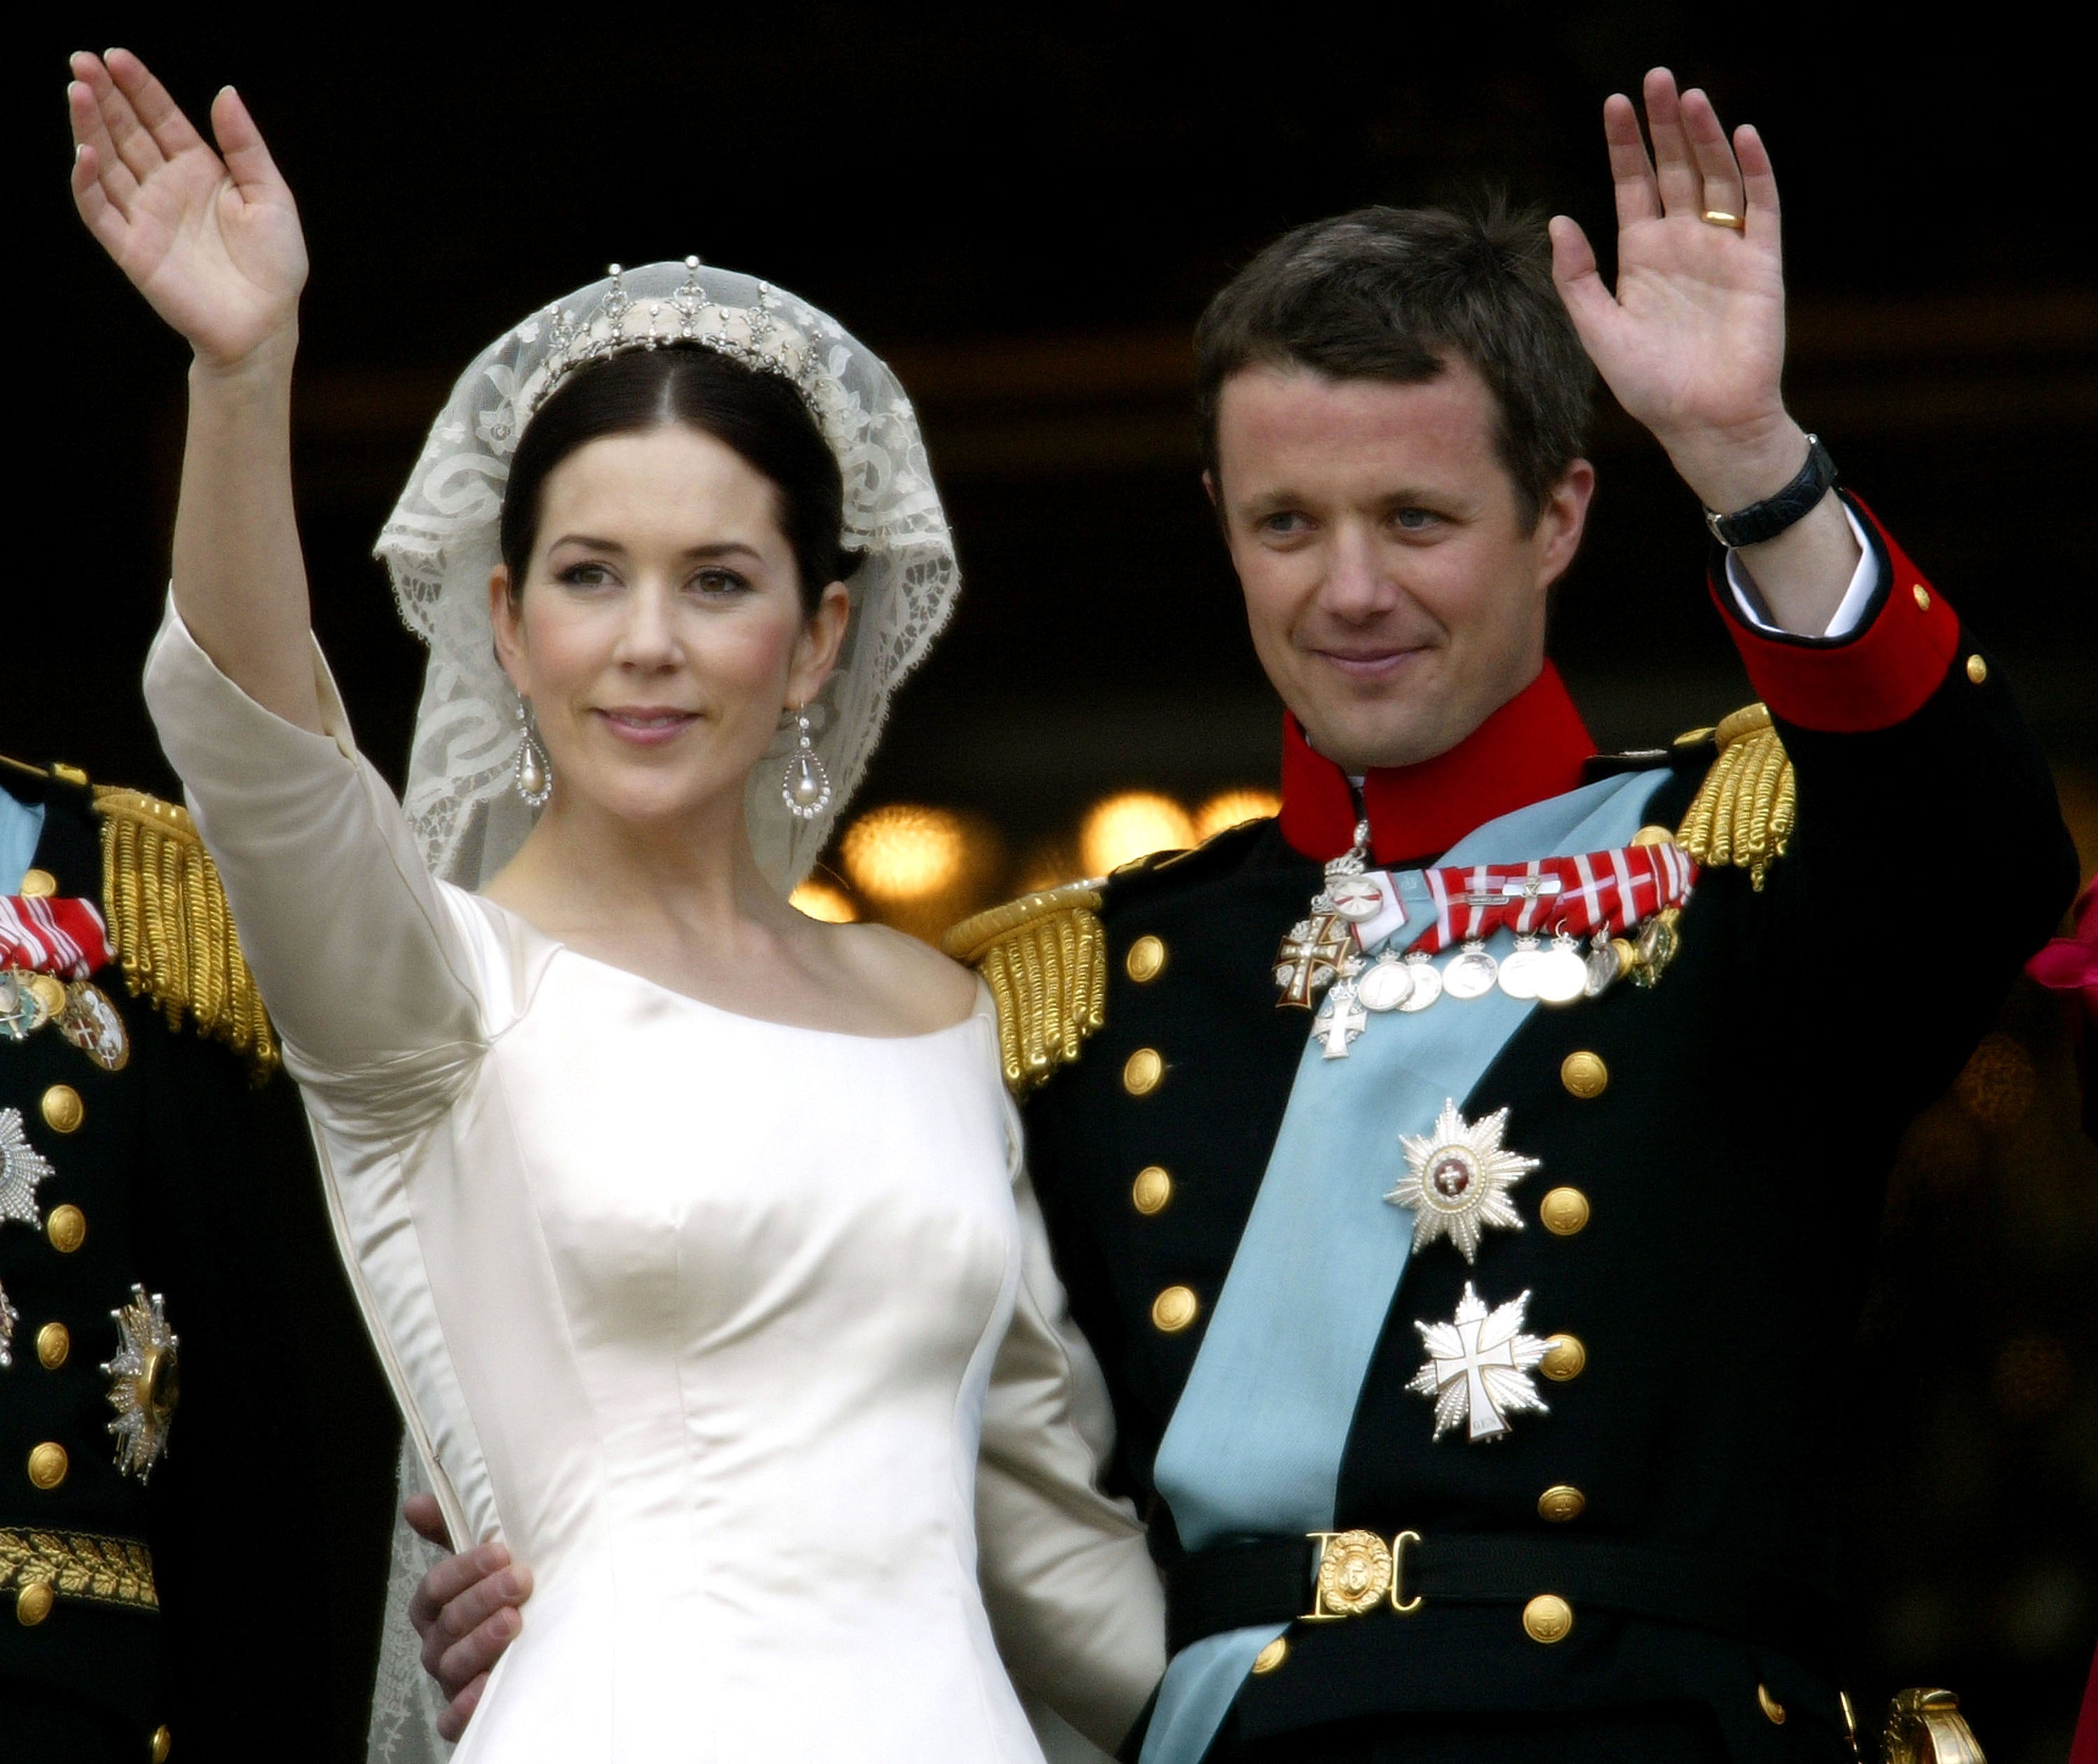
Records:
x=1768, y=519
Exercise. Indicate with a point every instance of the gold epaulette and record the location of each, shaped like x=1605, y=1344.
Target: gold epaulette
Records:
x=1742, y=813
x=170, y=927
x=1045, y=958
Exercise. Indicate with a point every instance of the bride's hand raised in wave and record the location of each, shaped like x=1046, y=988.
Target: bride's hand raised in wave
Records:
x=212, y=240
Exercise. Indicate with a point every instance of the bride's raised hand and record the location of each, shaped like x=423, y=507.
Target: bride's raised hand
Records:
x=212, y=242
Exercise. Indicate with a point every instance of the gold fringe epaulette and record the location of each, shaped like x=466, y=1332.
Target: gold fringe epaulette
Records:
x=169, y=927
x=1742, y=813
x=1045, y=958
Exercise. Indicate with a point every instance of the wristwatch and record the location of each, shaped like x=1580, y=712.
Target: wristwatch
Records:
x=1768, y=519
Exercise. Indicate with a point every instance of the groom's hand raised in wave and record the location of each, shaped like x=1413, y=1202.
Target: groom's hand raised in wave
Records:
x=467, y=1612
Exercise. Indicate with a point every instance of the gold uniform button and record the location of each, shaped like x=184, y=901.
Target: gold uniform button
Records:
x=1547, y=1618
x=1977, y=669
x=47, y=1464
x=163, y=1742
x=67, y=1228
x=1564, y=1358
x=1561, y=1503
x=1771, y=1705
x=1564, y=1211
x=63, y=1108
x=1654, y=836
x=1142, y=1071
x=1922, y=597
x=54, y=1343
x=33, y=1604
x=1146, y=959
x=1271, y=1655
x=1151, y=1190
x=1174, y=1310
x=1584, y=1074
x=37, y=885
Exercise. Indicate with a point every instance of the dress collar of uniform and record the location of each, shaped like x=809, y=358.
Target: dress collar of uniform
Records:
x=1535, y=746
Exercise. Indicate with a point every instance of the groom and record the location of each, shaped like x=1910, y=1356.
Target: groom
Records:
x=1475, y=1359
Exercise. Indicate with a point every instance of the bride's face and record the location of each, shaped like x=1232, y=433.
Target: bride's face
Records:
x=660, y=630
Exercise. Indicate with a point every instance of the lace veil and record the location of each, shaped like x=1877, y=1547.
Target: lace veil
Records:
x=440, y=545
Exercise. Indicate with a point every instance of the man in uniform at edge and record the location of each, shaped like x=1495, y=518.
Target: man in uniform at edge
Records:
x=1681, y=1180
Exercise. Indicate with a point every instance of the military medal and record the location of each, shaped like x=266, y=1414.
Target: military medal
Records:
x=1386, y=983
x=1477, y=1368
x=1518, y=975
x=1339, y=1020
x=1562, y=976
x=1472, y=973
x=9, y=1317
x=1457, y=1179
x=22, y=1167
x=1426, y=982
x=143, y=1383
x=91, y=1022
x=1312, y=955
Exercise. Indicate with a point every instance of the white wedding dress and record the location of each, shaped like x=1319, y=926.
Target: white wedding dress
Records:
x=706, y=1317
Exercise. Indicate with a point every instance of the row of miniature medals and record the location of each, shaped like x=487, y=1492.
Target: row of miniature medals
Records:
x=1624, y=903
x=1478, y=1366
x=48, y=946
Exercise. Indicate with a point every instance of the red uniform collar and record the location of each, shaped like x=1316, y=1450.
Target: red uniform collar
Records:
x=1535, y=746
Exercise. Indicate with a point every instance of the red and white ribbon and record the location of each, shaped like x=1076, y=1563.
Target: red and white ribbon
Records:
x=1591, y=891
x=53, y=934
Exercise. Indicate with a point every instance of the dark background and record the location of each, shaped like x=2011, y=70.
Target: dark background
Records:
x=1026, y=213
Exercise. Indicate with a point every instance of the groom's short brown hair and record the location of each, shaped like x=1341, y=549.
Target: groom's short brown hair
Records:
x=1391, y=294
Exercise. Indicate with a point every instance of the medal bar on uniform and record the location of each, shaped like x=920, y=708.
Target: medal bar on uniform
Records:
x=1625, y=901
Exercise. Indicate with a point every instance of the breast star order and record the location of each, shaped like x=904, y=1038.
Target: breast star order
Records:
x=1457, y=1180
x=143, y=1383
x=22, y=1168
x=1478, y=1366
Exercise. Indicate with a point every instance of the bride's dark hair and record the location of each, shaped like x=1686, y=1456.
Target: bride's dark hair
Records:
x=759, y=415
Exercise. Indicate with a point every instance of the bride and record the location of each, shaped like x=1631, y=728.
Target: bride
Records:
x=692, y=1232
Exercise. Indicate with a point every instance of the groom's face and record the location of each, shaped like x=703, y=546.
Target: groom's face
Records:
x=1395, y=590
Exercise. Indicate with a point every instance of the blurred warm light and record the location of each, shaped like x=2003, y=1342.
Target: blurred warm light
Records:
x=1228, y=808
x=824, y=901
x=904, y=853
x=1123, y=828
x=1047, y=865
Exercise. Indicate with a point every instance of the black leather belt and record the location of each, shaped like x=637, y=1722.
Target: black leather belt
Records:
x=1275, y=1580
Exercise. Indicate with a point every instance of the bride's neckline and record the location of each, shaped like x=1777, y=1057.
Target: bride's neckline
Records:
x=712, y=1009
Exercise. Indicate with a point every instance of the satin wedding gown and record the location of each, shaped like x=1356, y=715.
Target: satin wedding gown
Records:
x=706, y=1317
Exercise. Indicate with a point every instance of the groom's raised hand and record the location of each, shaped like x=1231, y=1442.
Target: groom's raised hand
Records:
x=467, y=1612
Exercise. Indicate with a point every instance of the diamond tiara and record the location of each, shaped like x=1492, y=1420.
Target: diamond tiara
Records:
x=751, y=335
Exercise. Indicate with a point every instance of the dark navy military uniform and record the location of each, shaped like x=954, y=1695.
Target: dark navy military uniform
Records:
x=135, y=1622
x=1727, y=1135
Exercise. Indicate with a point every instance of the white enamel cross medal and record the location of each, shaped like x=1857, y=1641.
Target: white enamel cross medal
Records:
x=1457, y=1180
x=1340, y=1019
x=1478, y=1366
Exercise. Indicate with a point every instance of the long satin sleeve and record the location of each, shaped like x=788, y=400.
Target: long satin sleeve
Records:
x=360, y=959
x=1074, y=1597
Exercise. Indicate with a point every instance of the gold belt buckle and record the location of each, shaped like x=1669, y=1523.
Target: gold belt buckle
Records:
x=1357, y=1571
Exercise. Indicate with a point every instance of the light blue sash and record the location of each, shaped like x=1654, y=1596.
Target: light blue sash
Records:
x=1255, y=1442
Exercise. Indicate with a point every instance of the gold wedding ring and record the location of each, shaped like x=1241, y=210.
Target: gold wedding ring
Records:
x=1720, y=218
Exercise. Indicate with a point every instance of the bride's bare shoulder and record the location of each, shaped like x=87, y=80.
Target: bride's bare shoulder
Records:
x=925, y=989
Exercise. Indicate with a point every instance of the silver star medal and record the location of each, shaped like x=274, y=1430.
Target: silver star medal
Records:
x=1477, y=1368
x=143, y=1386
x=22, y=1167
x=1457, y=1180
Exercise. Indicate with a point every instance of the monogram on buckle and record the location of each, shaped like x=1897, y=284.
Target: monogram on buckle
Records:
x=1358, y=1570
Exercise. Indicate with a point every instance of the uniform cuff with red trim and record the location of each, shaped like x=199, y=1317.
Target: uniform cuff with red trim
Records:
x=1873, y=677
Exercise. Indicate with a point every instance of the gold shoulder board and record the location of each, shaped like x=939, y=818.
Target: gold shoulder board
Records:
x=168, y=925
x=1742, y=813
x=1044, y=958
